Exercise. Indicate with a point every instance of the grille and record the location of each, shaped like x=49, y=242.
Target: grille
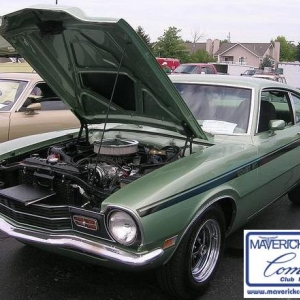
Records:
x=49, y=214
x=43, y=216
x=62, y=189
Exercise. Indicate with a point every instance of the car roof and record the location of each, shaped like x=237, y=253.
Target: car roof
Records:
x=267, y=75
x=197, y=64
x=21, y=76
x=232, y=80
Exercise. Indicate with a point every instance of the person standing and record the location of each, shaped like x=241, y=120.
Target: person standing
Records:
x=166, y=68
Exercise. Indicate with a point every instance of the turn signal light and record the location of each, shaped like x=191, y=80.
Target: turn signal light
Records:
x=170, y=242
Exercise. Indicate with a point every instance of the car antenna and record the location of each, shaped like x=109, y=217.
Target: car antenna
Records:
x=107, y=112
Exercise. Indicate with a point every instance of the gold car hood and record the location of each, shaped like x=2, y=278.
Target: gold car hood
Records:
x=90, y=62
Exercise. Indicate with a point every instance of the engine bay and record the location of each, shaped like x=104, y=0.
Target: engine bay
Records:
x=79, y=173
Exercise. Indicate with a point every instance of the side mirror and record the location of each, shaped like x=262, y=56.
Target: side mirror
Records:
x=276, y=125
x=31, y=108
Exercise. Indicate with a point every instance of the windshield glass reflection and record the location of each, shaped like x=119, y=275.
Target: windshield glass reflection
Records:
x=219, y=109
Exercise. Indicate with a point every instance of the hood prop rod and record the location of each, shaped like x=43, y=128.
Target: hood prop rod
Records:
x=190, y=141
x=189, y=137
x=107, y=113
x=82, y=126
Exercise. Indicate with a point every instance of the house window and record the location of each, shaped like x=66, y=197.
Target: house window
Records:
x=242, y=60
x=228, y=59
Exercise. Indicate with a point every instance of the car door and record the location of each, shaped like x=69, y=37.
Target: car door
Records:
x=53, y=114
x=278, y=151
x=4, y=126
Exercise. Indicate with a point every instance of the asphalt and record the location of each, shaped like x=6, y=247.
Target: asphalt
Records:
x=29, y=273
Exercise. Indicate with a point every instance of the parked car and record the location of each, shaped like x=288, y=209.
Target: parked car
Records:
x=161, y=171
x=249, y=73
x=195, y=68
x=275, y=77
x=28, y=106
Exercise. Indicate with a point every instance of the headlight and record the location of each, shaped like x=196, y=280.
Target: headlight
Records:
x=122, y=227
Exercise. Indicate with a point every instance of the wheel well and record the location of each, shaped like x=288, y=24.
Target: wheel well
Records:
x=229, y=209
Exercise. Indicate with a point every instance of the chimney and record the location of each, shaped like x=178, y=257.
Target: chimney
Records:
x=276, y=51
x=216, y=46
x=209, y=46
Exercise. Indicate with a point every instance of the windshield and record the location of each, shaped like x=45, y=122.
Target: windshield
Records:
x=186, y=69
x=219, y=109
x=249, y=72
x=10, y=90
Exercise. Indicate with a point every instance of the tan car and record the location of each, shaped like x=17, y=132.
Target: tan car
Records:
x=29, y=106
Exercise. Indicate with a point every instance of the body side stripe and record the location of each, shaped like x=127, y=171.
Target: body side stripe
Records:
x=226, y=177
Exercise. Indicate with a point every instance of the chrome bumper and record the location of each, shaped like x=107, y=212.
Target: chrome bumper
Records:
x=73, y=242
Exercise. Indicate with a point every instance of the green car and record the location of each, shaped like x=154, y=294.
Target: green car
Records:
x=161, y=170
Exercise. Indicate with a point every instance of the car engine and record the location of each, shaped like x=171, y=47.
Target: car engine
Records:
x=82, y=174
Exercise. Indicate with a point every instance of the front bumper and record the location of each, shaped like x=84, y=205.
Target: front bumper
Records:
x=106, y=253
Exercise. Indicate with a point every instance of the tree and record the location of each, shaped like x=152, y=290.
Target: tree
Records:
x=145, y=37
x=196, y=36
x=267, y=62
x=170, y=44
x=201, y=56
x=298, y=52
x=224, y=42
x=287, y=49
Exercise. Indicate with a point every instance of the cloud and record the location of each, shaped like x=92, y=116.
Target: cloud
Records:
x=246, y=21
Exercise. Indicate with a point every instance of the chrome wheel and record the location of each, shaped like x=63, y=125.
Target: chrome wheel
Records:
x=205, y=250
x=194, y=264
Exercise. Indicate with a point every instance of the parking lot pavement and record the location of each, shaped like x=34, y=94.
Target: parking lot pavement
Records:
x=29, y=273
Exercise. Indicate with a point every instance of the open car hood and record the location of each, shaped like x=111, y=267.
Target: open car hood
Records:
x=87, y=60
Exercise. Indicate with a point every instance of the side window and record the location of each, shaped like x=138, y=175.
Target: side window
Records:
x=53, y=105
x=203, y=70
x=210, y=70
x=296, y=102
x=44, y=95
x=274, y=105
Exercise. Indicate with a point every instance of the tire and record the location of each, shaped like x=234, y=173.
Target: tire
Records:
x=294, y=195
x=194, y=264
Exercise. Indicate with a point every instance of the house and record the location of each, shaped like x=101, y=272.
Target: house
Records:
x=251, y=54
x=211, y=46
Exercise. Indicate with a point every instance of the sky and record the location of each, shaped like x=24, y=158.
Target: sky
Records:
x=250, y=21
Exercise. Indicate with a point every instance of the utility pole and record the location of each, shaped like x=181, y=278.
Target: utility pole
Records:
x=228, y=37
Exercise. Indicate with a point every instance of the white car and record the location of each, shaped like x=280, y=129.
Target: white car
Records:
x=274, y=77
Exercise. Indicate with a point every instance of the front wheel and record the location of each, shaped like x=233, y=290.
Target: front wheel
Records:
x=195, y=262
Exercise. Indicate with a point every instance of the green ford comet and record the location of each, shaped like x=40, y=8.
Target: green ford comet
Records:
x=162, y=168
